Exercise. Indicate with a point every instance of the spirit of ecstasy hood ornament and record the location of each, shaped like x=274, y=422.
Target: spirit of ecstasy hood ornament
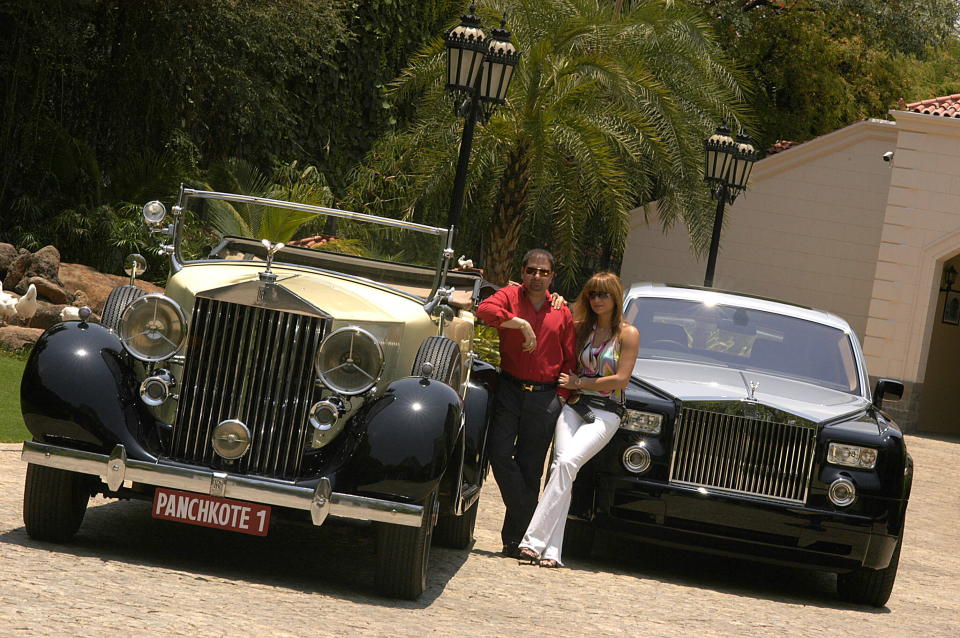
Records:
x=753, y=390
x=272, y=249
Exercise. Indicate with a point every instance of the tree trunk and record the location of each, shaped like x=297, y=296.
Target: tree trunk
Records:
x=508, y=214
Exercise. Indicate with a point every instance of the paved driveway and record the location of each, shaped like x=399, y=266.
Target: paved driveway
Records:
x=128, y=574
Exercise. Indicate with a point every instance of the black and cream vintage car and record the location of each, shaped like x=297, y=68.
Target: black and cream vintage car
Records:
x=270, y=381
x=751, y=431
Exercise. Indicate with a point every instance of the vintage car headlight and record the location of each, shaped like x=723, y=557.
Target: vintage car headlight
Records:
x=852, y=456
x=154, y=212
x=350, y=360
x=646, y=422
x=152, y=328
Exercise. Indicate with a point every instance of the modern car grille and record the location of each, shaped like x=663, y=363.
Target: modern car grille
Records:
x=254, y=365
x=743, y=455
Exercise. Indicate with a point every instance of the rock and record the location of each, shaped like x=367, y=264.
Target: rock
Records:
x=46, y=289
x=43, y=263
x=16, y=270
x=95, y=286
x=7, y=254
x=17, y=337
x=48, y=314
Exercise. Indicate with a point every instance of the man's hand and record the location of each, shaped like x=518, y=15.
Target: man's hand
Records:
x=529, y=337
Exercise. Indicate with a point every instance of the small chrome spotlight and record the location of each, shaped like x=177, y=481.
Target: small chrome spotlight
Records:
x=325, y=414
x=231, y=439
x=842, y=492
x=636, y=459
x=155, y=390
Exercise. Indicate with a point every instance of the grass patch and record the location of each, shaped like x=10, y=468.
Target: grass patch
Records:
x=12, y=429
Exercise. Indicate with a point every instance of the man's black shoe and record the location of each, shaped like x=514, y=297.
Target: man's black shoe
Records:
x=511, y=550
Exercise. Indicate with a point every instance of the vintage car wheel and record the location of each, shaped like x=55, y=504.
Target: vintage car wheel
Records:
x=578, y=538
x=403, y=554
x=54, y=502
x=118, y=299
x=870, y=586
x=444, y=354
x=456, y=531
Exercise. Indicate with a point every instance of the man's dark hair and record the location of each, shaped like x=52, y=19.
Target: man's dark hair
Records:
x=538, y=252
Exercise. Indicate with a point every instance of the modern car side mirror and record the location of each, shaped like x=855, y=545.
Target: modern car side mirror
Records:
x=888, y=388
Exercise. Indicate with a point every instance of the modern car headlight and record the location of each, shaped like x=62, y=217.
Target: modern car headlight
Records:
x=350, y=360
x=152, y=328
x=646, y=422
x=852, y=456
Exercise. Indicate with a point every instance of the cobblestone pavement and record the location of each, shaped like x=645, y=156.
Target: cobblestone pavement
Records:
x=126, y=572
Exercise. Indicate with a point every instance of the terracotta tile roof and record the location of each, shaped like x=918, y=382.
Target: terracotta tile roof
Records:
x=312, y=242
x=946, y=106
x=781, y=146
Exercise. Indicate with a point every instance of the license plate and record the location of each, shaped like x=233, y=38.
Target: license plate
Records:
x=211, y=511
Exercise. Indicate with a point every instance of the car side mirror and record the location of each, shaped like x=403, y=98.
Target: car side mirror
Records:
x=887, y=388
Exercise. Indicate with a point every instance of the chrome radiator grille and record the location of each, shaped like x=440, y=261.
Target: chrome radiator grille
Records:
x=254, y=365
x=743, y=455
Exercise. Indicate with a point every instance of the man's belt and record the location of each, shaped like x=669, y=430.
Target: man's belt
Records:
x=528, y=386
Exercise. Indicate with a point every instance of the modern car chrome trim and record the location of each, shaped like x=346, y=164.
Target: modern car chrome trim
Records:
x=320, y=502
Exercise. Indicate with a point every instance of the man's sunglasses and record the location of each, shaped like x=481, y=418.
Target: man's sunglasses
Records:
x=597, y=294
x=543, y=272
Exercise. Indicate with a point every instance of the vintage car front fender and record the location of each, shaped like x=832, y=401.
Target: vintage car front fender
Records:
x=408, y=438
x=78, y=389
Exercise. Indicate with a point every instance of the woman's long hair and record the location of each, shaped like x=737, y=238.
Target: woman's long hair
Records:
x=584, y=318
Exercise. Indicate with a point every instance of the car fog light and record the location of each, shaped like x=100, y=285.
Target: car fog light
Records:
x=324, y=414
x=231, y=439
x=842, y=492
x=155, y=390
x=636, y=459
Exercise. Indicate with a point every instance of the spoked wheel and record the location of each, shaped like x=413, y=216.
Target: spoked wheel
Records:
x=54, y=502
x=403, y=554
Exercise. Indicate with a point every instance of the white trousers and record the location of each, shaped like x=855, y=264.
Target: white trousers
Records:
x=575, y=443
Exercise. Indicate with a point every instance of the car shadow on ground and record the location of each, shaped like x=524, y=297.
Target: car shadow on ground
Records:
x=737, y=576
x=337, y=559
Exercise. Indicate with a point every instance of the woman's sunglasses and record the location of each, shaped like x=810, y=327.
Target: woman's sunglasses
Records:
x=597, y=294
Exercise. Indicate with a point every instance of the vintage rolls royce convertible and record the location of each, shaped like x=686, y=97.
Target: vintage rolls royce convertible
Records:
x=751, y=430
x=267, y=381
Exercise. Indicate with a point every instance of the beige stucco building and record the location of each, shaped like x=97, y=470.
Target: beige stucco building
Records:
x=829, y=223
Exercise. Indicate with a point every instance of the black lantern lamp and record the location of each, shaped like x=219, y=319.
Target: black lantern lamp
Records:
x=466, y=46
x=479, y=68
x=727, y=167
x=949, y=277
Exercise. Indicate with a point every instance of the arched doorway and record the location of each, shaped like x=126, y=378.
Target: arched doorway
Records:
x=941, y=375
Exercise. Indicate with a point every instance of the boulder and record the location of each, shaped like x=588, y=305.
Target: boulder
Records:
x=7, y=254
x=94, y=286
x=16, y=270
x=44, y=263
x=17, y=337
x=46, y=289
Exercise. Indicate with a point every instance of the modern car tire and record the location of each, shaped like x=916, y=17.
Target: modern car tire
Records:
x=403, y=554
x=578, y=539
x=870, y=586
x=54, y=502
x=456, y=531
x=444, y=354
x=118, y=299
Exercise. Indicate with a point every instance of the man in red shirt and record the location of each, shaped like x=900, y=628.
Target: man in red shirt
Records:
x=537, y=343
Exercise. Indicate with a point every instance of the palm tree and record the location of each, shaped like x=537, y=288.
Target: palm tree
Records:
x=607, y=111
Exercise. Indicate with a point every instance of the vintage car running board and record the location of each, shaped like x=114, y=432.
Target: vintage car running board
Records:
x=320, y=502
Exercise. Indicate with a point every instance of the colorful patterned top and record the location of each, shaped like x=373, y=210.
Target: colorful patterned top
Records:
x=601, y=361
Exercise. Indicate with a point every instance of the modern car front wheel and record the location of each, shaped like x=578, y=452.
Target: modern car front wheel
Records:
x=870, y=586
x=54, y=502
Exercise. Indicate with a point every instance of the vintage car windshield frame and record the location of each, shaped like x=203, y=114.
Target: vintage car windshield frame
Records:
x=186, y=194
x=717, y=358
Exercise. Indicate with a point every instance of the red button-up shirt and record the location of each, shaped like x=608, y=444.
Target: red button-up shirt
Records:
x=556, y=340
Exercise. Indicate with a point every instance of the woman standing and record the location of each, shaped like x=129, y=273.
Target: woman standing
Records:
x=607, y=351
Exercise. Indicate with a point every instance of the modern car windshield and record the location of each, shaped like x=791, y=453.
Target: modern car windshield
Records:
x=746, y=339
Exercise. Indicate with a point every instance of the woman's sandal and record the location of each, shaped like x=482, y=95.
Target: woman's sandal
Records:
x=549, y=563
x=528, y=556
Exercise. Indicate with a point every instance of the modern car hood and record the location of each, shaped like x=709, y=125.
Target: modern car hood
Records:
x=689, y=381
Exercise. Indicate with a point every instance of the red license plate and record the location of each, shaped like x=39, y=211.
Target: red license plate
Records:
x=211, y=511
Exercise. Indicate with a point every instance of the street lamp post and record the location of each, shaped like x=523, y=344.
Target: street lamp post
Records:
x=479, y=70
x=728, y=163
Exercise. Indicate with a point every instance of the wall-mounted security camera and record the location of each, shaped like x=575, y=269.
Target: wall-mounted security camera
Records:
x=888, y=156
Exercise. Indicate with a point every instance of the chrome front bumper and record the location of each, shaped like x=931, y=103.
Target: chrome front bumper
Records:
x=320, y=502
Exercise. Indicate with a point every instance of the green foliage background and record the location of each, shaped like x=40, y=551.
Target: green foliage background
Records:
x=105, y=105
